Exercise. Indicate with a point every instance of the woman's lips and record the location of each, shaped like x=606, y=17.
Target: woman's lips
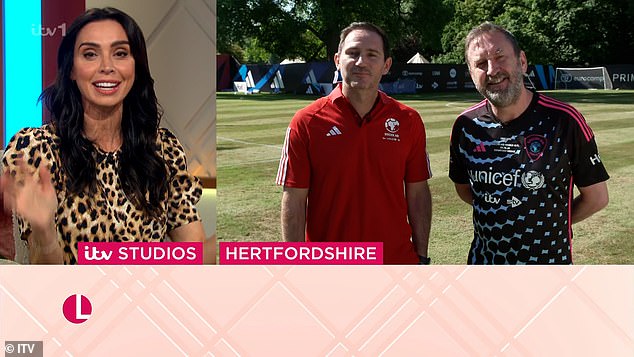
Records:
x=106, y=87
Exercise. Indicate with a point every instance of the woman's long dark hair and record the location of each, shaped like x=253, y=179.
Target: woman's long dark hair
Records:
x=142, y=170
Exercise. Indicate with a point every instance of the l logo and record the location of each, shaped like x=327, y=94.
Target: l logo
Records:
x=77, y=308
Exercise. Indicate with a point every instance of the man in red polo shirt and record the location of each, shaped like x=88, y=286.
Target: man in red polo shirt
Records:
x=354, y=165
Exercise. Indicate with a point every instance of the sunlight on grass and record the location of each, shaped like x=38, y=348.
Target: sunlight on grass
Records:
x=251, y=130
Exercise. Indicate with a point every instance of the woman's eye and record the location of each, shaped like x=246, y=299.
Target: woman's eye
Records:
x=90, y=55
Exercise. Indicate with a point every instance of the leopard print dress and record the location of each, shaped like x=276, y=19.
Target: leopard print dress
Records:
x=107, y=216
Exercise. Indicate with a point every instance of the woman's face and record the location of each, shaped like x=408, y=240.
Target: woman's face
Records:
x=103, y=66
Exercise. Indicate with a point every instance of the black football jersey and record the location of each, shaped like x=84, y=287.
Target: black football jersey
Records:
x=522, y=175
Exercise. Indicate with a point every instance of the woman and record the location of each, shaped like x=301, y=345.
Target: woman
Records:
x=102, y=169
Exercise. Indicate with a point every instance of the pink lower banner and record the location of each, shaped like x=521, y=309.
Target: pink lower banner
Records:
x=282, y=310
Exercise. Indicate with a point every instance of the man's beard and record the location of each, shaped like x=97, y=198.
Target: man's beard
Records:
x=508, y=96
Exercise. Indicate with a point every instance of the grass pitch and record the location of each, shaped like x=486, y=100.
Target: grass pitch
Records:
x=250, y=133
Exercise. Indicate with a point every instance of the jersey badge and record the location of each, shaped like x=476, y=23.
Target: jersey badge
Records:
x=534, y=146
x=392, y=127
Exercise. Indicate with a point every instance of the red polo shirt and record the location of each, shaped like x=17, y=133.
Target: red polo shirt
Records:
x=355, y=169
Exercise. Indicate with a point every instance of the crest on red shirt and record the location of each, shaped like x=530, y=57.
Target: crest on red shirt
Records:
x=392, y=125
x=534, y=146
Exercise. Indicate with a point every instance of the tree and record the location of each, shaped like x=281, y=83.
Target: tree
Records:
x=423, y=23
x=568, y=32
x=309, y=29
x=561, y=32
x=467, y=14
x=229, y=24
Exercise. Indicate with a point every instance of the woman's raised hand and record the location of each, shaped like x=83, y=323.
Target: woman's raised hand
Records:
x=30, y=195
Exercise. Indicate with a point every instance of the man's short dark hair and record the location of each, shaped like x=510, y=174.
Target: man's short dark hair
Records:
x=368, y=27
x=488, y=27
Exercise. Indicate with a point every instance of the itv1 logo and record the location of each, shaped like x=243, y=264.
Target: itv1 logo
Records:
x=77, y=308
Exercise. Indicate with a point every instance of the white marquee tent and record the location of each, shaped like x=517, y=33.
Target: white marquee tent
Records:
x=418, y=58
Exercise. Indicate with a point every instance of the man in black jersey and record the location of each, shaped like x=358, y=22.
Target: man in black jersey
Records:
x=516, y=156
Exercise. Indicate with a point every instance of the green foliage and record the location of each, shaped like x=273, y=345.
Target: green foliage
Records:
x=420, y=33
x=568, y=32
x=309, y=29
x=232, y=26
x=561, y=32
x=254, y=53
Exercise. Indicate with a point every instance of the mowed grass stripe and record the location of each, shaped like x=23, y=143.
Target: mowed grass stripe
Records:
x=613, y=136
x=251, y=129
x=252, y=154
x=616, y=156
x=245, y=118
x=610, y=122
x=261, y=101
